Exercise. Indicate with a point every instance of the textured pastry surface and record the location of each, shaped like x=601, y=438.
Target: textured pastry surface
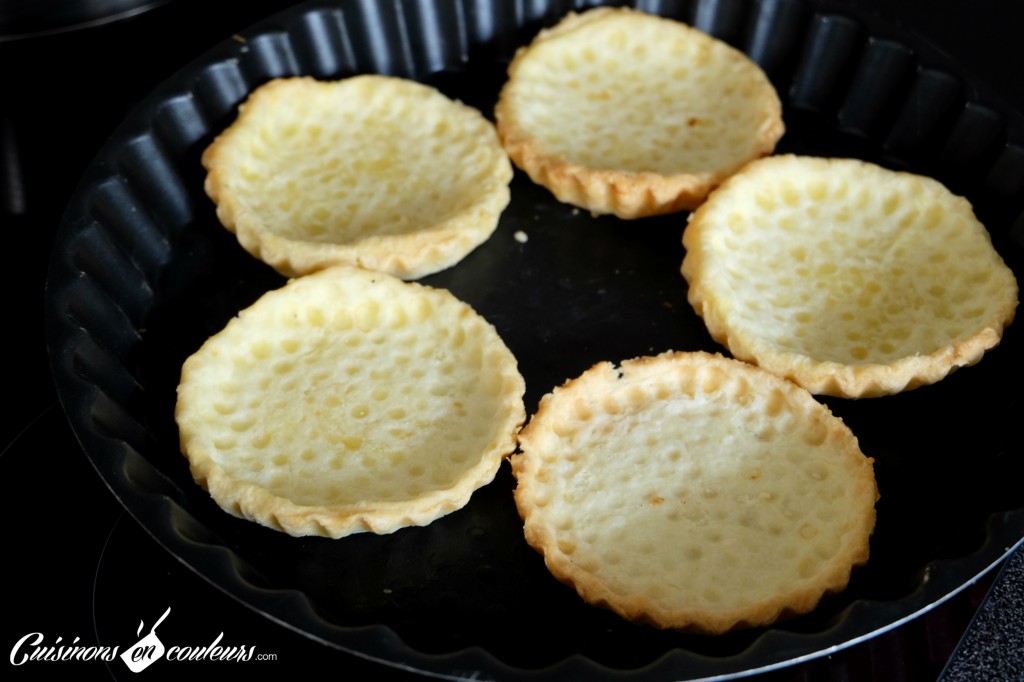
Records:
x=846, y=277
x=375, y=171
x=349, y=401
x=693, y=491
x=622, y=112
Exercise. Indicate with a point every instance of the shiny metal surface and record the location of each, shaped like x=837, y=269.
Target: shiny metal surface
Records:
x=22, y=19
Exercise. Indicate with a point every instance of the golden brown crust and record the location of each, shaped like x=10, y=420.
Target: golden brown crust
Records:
x=694, y=492
x=607, y=125
x=349, y=401
x=373, y=171
x=849, y=279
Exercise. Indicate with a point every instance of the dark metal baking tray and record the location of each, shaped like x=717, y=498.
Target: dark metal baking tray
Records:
x=142, y=274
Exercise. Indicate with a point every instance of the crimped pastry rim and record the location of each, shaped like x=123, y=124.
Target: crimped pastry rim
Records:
x=539, y=535
x=626, y=194
x=409, y=255
x=826, y=377
x=254, y=502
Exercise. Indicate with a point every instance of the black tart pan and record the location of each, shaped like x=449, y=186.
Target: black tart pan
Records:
x=142, y=274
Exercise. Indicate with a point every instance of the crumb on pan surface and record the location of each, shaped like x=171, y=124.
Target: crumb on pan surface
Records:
x=618, y=111
x=850, y=279
x=349, y=401
x=695, y=492
x=375, y=171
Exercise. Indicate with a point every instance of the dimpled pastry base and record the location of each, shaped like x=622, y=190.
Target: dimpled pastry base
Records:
x=622, y=112
x=375, y=171
x=349, y=401
x=846, y=277
x=692, y=491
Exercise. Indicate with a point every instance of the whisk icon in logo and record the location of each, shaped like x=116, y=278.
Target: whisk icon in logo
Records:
x=147, y=650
